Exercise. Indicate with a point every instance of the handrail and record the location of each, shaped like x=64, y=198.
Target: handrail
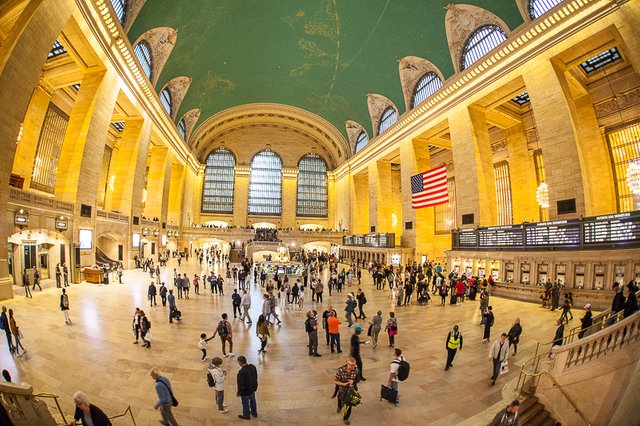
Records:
x=128, y=410
x=55, y=398
x=562, y=391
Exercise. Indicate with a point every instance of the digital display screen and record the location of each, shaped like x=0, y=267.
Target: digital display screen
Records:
x=370, y=240
x=135, y=240
x=86, y=239
x=500, y=236
x=558, y=233
x=617, y=228
x=61, y=225
x=468, y=239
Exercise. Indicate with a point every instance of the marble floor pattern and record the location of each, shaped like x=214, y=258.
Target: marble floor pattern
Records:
x=96, y=355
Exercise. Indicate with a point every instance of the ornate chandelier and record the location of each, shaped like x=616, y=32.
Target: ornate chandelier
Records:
x=633, y=177
x=542, y=195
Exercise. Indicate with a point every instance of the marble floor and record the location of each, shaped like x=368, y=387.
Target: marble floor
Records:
x=96, y=355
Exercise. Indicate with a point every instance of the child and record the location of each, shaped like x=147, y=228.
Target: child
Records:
x=219, y=376
x=301, y=300
x=202, y=345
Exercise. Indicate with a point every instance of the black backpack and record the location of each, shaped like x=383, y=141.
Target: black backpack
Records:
x=222, y=329
x=403, y=370
x=148, y=323
x=307, y=326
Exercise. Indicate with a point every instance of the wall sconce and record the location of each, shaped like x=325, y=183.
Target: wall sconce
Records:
x=21, y=218
x=62, y=223
x=145, y=231
x=176, y=234
x=170, y=234
x=156, y=232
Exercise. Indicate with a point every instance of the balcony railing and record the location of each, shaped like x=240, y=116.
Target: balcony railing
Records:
x=31, y=199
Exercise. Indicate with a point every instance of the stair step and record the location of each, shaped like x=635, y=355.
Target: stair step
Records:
x=528, y=403
x=531, y=412
x=539, y=419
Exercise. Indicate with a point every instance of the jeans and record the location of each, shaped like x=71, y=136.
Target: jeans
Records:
x=152, y=300
x=350, y=318
x=496, y=368
x=220, y=399
x=361, y=314
x=249, y=404
x=347, y=409
x=167, y=415
x=394, y=386
x=451, y=354
x=335, y=340
x=374, y=336
x=236, y=308
x=319, y=297
x=313, y=342
x=224, y=344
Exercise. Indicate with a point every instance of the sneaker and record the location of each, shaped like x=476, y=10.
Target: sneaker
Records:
x=223, y=411
x=224, y=355
x=347, y=421
x=317, y=355
x=231, y=354
x=135, y=343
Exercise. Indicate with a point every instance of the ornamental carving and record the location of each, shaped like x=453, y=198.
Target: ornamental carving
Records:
x=377, y=104
x=178, y=87
x=161, y=40
x=412, y=68
x=190, y=119
x=353, y=131
x=133, y=8
x=498, y=146
x=460, y=21
x=618, y=103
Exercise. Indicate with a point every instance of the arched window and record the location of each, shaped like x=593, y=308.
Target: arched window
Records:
x=182, y=129
x=143, y=53
x=312, y=186
x=480, y=42
x=388, y=119
x=120, y=8
x=219, y=176
x=265, y=184
x=429, y=84
x=538, y=8
x=165, y=99
x=362, y=140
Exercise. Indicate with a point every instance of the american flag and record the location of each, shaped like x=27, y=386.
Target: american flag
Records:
x=429, y=188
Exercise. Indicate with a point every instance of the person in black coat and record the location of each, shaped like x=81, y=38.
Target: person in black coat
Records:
x=631, y=302
x=514, y=335
x=247, y=386
x=489, y=319
x=587, y=321
x=559, y=335
x=86, y=410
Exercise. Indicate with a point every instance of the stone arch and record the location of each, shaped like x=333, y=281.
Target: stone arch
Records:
x=190, y=118
x=353, y=131
x=412, y=68
x=133, y=9
x=377, y=104
x=523, y=7
x=161, y=41
x=178, y=87
x=460, y=21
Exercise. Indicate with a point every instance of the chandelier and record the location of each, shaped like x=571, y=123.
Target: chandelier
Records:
x=542, y=194
x=633, y=177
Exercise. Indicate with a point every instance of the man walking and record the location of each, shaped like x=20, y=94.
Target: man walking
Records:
x=247, y=386
x=345, y=380
x=172, y=306
x=319, y=289
x=453, y=343
x=224, y=331
x=235, y=301
x=4, y=325
x=165, y=398
x=246, y=304
x=393, y=380
x=163, y=294
x=355, y=350
x=152, y=294
x=498, y=354
x=311, y=326
x=333, y=326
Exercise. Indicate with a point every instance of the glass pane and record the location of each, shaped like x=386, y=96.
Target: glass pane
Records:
x=45, y=165
x=362, y=140
x=538, y=8
x=265, y=184
x=218, y=186
x=482, y=41
x=312, y=187
x=143, y=53
x=624, y=146
x=429, y=84
x=503, y=193
x=389, y=118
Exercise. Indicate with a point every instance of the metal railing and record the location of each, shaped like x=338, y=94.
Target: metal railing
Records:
x=127, y=411
x=55, y=399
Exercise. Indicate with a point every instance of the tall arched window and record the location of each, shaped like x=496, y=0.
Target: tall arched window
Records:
x=429, y=84
x=362, y=140
x=165, y=99
x=388, y=119
x=120, y=8
x=217, y=190
x=143, y=53
x=538, y=8
x=312, y=186
x=482, y=41
x=182, y=129
x=265, y=184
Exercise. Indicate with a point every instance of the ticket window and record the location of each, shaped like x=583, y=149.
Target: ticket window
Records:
x=468, y=270
x=542, y=273
x=481, y=271
x=619, y=274
x=598, y=276
x=560, y=274
x=579, y=276
x=509, y=273
x=495, y=271
x=525, y=274
x=456, y=268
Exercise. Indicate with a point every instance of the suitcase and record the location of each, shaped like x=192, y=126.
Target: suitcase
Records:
x=389, y=394
x=454, y=299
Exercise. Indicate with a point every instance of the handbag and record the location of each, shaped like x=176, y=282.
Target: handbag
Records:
x=174, y=401
x=349, y=397
x=369, y=330
x=504, y=367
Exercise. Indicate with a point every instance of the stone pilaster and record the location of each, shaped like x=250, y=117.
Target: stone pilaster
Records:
x=159, y=174
x=522, y=175
x=380, y=196
x=241, y=196
x=289, y=197
x=360, y=204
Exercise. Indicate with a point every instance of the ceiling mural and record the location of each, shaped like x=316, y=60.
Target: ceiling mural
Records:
x=324, y=56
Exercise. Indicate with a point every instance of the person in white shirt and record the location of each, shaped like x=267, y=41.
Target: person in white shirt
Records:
x=202, y=345
x=246, y=304
x=393, y=373
x=219, y=377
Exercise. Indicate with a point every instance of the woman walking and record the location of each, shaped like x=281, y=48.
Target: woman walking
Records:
x=15, y=330
x=262, y=330
x=392, y=328
x=376, y=326
x=514, y=335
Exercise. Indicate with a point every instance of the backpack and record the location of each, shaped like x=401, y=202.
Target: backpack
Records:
x=210, y=380
x=307, y=326
x=222, y=329
x=403, y=370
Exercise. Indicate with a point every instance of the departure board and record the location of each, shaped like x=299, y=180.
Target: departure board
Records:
x=558, y=233
x=347, y=240
x=500, y=236
x=468, y=239
x=370, y=240
x=383, y=240
x=622, y=228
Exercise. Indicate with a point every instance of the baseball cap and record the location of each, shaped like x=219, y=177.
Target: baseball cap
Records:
x=358, y=328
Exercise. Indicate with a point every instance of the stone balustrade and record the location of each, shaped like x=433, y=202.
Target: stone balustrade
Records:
x=25, y=408
x=32, y=200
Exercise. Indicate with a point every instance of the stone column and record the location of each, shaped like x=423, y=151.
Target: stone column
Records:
x=289, y=197
x=414, y=159
x=159, y=175
x=522, y=174
x=176, y=186
x=473, y=162
x=380, y=196
x=396, y=204
x=359, y=204
x=331, y=201
x=241, y=196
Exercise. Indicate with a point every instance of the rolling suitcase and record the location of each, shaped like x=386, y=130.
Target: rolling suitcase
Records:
x=454, y=299
x=389, y=394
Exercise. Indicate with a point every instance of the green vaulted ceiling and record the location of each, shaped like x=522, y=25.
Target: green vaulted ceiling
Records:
x=324, y=56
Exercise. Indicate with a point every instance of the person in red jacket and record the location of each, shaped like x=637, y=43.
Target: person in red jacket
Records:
x=460, y=292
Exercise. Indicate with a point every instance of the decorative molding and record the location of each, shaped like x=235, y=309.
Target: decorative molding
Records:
x=133, y=9
x=353, y=131
x=285, y=116
x=460, y=21
x=190, y=118
x=45, y=86
x=498, y=146
x=618, y=103
x=161, y=40
x=377, y=104
x=411, y=69
x=178, y=87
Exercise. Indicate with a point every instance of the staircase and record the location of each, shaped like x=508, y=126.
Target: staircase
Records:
x=103, y=259
x=533, y=413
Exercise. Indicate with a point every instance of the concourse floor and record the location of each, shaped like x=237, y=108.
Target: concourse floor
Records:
x=95, y=354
